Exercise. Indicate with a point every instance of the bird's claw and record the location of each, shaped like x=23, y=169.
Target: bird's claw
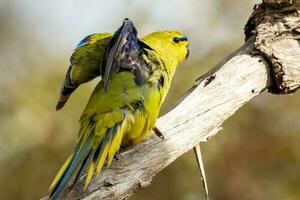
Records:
x=158, y=133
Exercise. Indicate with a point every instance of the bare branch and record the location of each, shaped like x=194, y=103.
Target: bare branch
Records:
x=269, y=59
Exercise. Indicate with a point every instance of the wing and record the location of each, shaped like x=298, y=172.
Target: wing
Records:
x=86, y=63
x=123, y=52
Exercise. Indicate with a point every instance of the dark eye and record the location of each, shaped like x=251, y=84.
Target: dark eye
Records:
x=176, y=39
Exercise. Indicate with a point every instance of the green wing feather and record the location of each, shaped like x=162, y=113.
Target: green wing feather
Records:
x=86, y=64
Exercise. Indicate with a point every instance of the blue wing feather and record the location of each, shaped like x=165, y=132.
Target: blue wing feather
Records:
x=84, y=40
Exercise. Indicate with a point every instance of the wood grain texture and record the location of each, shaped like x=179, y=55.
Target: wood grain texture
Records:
x=269, y=59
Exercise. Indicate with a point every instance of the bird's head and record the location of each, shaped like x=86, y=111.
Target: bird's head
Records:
x=171, y=45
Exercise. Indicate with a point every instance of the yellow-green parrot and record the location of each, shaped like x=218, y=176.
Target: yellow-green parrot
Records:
x=122, y=110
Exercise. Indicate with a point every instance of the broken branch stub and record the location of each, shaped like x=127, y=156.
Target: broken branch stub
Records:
x=276, y=26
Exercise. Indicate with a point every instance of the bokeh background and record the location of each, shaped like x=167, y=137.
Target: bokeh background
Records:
x=256, y=156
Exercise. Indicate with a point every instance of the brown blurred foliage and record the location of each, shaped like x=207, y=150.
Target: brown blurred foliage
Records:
x=256, y=156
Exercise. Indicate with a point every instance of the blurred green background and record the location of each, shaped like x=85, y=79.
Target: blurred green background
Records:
x=256, y=156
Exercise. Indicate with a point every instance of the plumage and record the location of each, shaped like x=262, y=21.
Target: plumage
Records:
x=123, y=51
x=124, y=106
x=85, y=64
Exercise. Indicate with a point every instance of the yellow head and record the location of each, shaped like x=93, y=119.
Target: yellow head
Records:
x=171, y=45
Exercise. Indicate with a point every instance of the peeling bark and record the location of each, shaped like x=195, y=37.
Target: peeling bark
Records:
x=276, y=26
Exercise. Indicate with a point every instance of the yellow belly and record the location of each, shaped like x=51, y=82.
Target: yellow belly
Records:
x=144, y=119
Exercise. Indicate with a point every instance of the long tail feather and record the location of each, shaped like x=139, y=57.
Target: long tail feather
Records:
x=105, y=151
x=80, y=153
x=90, y=155
x=101, y=153
x=82, y=168
x=61, y=171
x=102, y=158
x=89, y=175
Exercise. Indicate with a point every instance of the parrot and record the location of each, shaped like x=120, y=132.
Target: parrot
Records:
x=136, y=74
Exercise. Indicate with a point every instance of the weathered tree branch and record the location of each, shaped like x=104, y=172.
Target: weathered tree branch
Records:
x=276, y=26
x=269, y=59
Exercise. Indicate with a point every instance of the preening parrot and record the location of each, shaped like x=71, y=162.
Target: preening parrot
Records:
x=136, y=75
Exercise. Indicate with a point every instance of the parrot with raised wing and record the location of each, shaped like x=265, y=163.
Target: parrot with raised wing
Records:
x=136, y=75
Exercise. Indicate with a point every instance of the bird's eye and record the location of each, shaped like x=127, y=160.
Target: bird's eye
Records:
x=176, y=39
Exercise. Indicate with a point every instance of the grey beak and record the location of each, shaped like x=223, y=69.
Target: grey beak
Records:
x=188, y=53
